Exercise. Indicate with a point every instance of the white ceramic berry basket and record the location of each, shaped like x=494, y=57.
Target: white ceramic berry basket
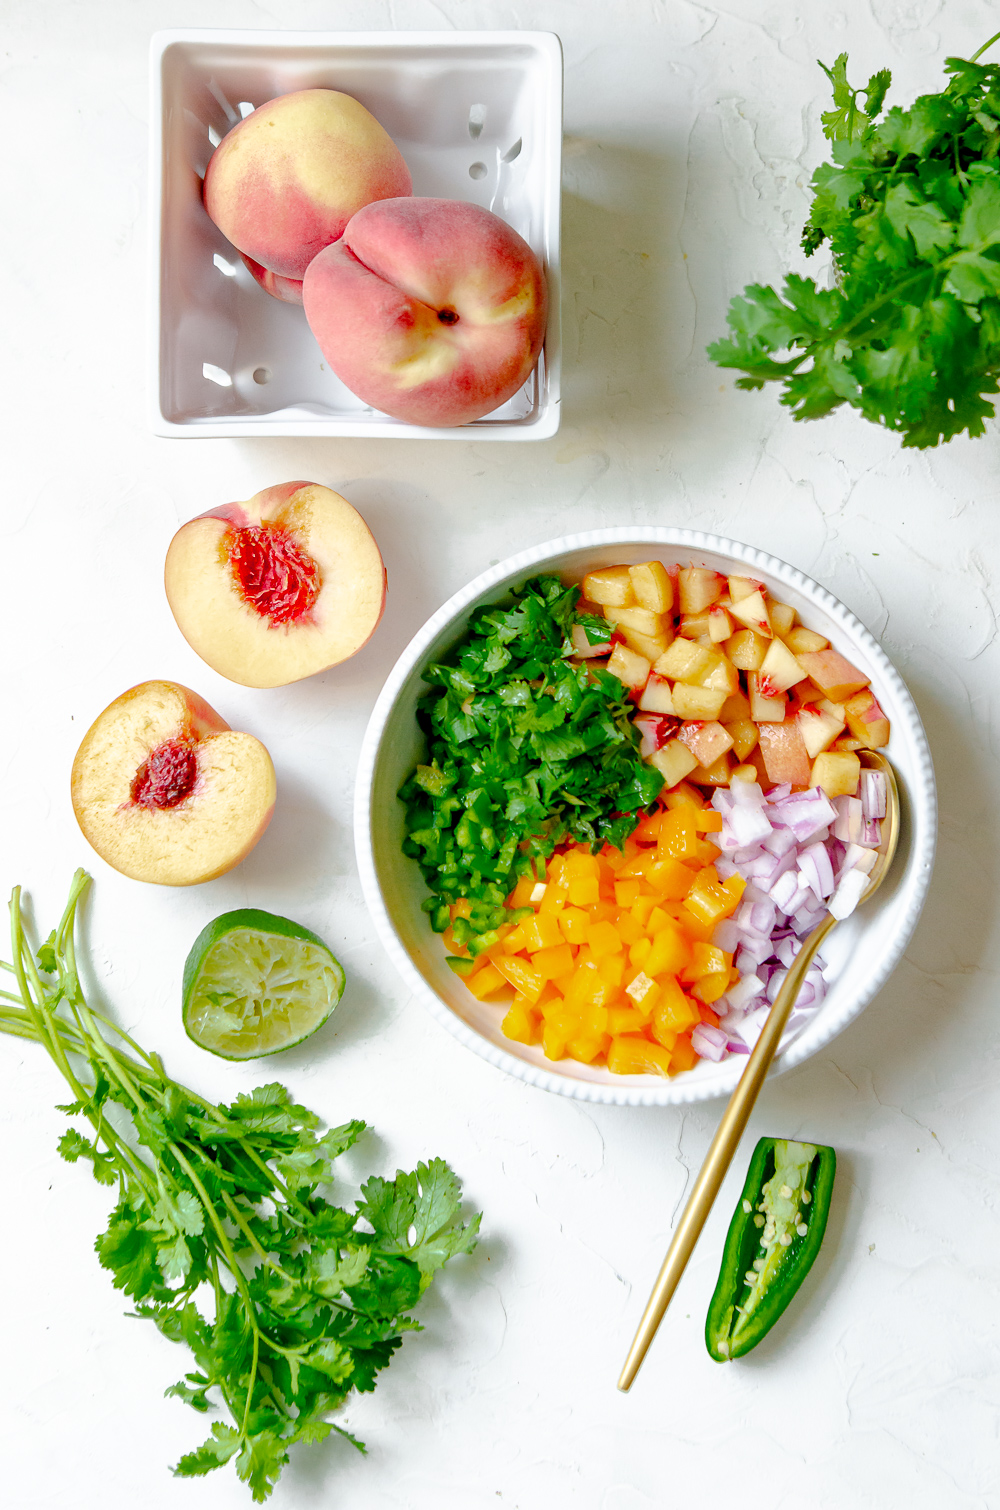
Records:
x=476, y=115
x=861, y=952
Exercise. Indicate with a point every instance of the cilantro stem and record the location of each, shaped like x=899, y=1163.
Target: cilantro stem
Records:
x=986, y=45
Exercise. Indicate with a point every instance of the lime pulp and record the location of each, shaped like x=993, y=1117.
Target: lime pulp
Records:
x=255, y=984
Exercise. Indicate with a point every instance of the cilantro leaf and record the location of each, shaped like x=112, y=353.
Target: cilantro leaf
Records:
x=910, y=206
x=309, y=1304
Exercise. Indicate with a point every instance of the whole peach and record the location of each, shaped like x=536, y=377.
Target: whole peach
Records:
x=286, y=180
x=431, y=310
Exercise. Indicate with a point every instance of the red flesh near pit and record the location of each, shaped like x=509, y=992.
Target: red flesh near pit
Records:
x=166, y=776
x=273, y=573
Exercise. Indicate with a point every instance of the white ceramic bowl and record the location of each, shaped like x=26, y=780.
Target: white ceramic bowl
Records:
x=861, y=952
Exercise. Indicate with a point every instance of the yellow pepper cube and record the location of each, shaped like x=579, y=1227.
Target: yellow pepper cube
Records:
x=485, y=982
x=629, y=931
x=683, y=1056
x=612, y=968
x=708, y=821
x=515, y=941
x=678, y=838
x=585, y=1046
x=603, y=938
x=520, y=1023
x=630, y=1054
x=647, y=830
x=541, y=932
x=461, y=909
x=644, y=992
x=579, y=862
x=554, y=1040
x=705, y=852
x=641, y=909
x=573, y=924
x=584, y=891
x=710, y=987
x=706, y=959
x=521, y=895
x=627, y=892
x=625, y=1020
x=639, y=953
x=674, y=1012
x=670, y=877
x=522, y=976
x=696, y=930
x=670, y=953
x=553, y=961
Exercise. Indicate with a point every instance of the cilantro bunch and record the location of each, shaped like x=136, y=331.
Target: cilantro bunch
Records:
x=911, y=208
x=526, y=750
x=307, y=1300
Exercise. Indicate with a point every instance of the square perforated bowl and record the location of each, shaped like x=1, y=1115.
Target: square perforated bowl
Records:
x=861, y=952
x=476, y=115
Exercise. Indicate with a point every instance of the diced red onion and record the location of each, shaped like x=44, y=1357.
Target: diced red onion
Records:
x=873, y=794
x=709, y=1043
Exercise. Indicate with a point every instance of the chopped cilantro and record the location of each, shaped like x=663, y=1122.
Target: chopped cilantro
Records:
x=525, y=750
x=911, y=208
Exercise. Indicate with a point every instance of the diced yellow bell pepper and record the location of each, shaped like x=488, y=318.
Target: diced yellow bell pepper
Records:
x=541, y=932
x=632, y=1055
x=584, y=891
x=522, y=976
x=678, y=838
x=521, y=895
x=706, y=959
x=485, y=982
x=627, y=893
x=674, y=1012
x=683, y=1056
x=670, y=953
x=520, y=1023
x=573, y=924
x=553, y=962
x=603, y=938
x=625, y=1020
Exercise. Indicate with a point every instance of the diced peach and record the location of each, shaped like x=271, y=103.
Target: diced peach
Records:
x=743, y=587
x=722, y=676
x=697, y=588
x=834, y=675
x=701, y=704
x=742, y=773
x=800, y=640
x=819, y=728
x=685, y=662
x=866, y=720
x=641, y=619
x=657, y=695
x=652, y=586
x=837, y=772
x=630, y=668
x=752, y=612
x=720, y=625
x=611, y=587
x=848, y=742
x=765, y=709
x=779, y=671
x=651, y=646
x=746, y=650
x=674, y=761
x=735, y=708
x=706, y=740
x=785, y=755
x=695, y=626
x=782, y=616
x=743, y=732
x=716, y=774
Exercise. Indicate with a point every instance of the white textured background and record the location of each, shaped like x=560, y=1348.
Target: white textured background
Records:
x=691, y=132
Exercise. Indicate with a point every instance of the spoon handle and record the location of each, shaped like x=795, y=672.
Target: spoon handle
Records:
x=720, y=1154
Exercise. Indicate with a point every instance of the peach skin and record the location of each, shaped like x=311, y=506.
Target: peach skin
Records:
x=431, y=310
x=286, y=180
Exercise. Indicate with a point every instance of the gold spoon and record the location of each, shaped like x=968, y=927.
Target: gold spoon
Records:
x=741, y=1102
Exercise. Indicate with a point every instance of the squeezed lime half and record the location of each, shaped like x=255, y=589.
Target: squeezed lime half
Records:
x=255, y=984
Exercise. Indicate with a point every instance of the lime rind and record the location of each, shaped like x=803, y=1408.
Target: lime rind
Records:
x=256, y=984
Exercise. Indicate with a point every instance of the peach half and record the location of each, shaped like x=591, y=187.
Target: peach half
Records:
x=166, y=792
x=278, y=588
x=286, y=180
x=431, y=310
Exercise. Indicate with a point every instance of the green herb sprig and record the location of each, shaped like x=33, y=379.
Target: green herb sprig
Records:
x=911, y=208
x=308, y=1300
x=526, y=749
